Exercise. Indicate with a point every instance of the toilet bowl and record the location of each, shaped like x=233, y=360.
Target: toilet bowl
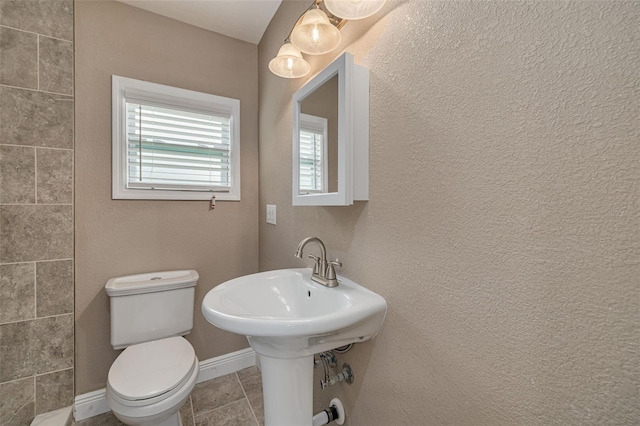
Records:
x=154, y=375
x=149, y=382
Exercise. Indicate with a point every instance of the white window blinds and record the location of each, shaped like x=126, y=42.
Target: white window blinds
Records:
x=175, y=148
x=170, y=143
x=313, y=154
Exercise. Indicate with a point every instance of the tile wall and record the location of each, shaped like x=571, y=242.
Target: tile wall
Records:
x=36, y=208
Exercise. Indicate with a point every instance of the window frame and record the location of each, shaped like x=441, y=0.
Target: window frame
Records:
x=177, y=98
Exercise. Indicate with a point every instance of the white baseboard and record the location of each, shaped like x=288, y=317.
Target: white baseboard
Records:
x=226, y=364
x=90, y=404
x=95, y=403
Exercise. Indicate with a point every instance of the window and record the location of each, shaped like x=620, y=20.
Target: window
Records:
x=174, y=144
x=313, y=154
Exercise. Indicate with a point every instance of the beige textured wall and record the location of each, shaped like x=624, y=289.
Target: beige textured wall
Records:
x=121, y=237
x=503, y=225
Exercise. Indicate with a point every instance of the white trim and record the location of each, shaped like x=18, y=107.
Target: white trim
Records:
x=361, y=134
x=353, y=134
x=172, y=95
x=90, y=404
x=226, y=364
x=95, y=403
x=61, y=417
x=343, y=68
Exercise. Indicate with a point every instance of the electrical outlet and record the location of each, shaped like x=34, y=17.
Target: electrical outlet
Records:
x=271, y=214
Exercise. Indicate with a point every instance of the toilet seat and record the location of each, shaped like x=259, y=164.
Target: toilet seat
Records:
x=150, y=372
x=159, y=411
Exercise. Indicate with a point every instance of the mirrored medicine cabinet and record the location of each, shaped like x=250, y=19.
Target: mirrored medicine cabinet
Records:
x=331, y=136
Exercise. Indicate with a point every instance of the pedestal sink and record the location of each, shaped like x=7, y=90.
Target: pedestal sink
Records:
x=287, y=318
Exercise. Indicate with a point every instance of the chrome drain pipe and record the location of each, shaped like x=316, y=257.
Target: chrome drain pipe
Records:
x=335, y=412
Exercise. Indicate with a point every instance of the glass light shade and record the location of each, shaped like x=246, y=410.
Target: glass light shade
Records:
x=315, y=35
x=289, y=63
x=353, y=9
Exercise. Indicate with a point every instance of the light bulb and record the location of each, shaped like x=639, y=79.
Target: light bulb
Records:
x=315, y=35
x=289, y=63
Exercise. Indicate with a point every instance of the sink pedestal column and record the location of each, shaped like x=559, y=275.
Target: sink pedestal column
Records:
x=287, y=386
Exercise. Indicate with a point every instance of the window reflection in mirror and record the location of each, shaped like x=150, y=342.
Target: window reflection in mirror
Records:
x=314, y=174
x=319, y=139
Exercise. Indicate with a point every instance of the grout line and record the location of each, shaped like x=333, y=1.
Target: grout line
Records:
x=35, y=166
x=35, y=146
x=247, y=398
x=38, y=60
x=55, y=38
x=37, y=91
x=31, y=32
x=55, y=316
x=36, y=319
x=17, y=380
x=34, y=204
x=54, y=371
x=193, y=414
x=35, y=400
x=35, y=290
x=34, y=261
x=50, y=147
x=220, y=407
x=37, y=375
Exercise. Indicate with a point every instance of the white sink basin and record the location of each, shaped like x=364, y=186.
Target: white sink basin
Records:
x=287, y=318
x=286, y=315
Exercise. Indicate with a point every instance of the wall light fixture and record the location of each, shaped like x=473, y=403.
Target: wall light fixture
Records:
x=317, y=32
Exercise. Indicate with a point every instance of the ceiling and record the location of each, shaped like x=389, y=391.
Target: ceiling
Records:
x=245, y=20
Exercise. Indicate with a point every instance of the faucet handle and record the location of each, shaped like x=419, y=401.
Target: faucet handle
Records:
x=316, y=266
x=331, y=272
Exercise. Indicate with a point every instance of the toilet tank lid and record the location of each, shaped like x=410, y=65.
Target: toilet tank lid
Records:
x=151, y=282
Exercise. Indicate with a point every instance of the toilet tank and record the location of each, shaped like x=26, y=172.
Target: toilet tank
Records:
x=151, y=306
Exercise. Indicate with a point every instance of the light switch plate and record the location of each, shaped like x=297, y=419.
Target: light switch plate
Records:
x=271, y=214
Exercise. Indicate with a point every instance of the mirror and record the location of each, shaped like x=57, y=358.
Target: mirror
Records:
x=330, y=136
x=318, y=143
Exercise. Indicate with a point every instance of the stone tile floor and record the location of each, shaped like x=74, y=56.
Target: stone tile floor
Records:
x=231, y=400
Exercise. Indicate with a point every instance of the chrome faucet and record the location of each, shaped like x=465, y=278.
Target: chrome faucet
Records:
x=323, y=272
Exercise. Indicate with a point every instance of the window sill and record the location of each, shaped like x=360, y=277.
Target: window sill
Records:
x=158, y=194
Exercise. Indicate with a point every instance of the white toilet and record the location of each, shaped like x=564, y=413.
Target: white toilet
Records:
x=154, y=375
